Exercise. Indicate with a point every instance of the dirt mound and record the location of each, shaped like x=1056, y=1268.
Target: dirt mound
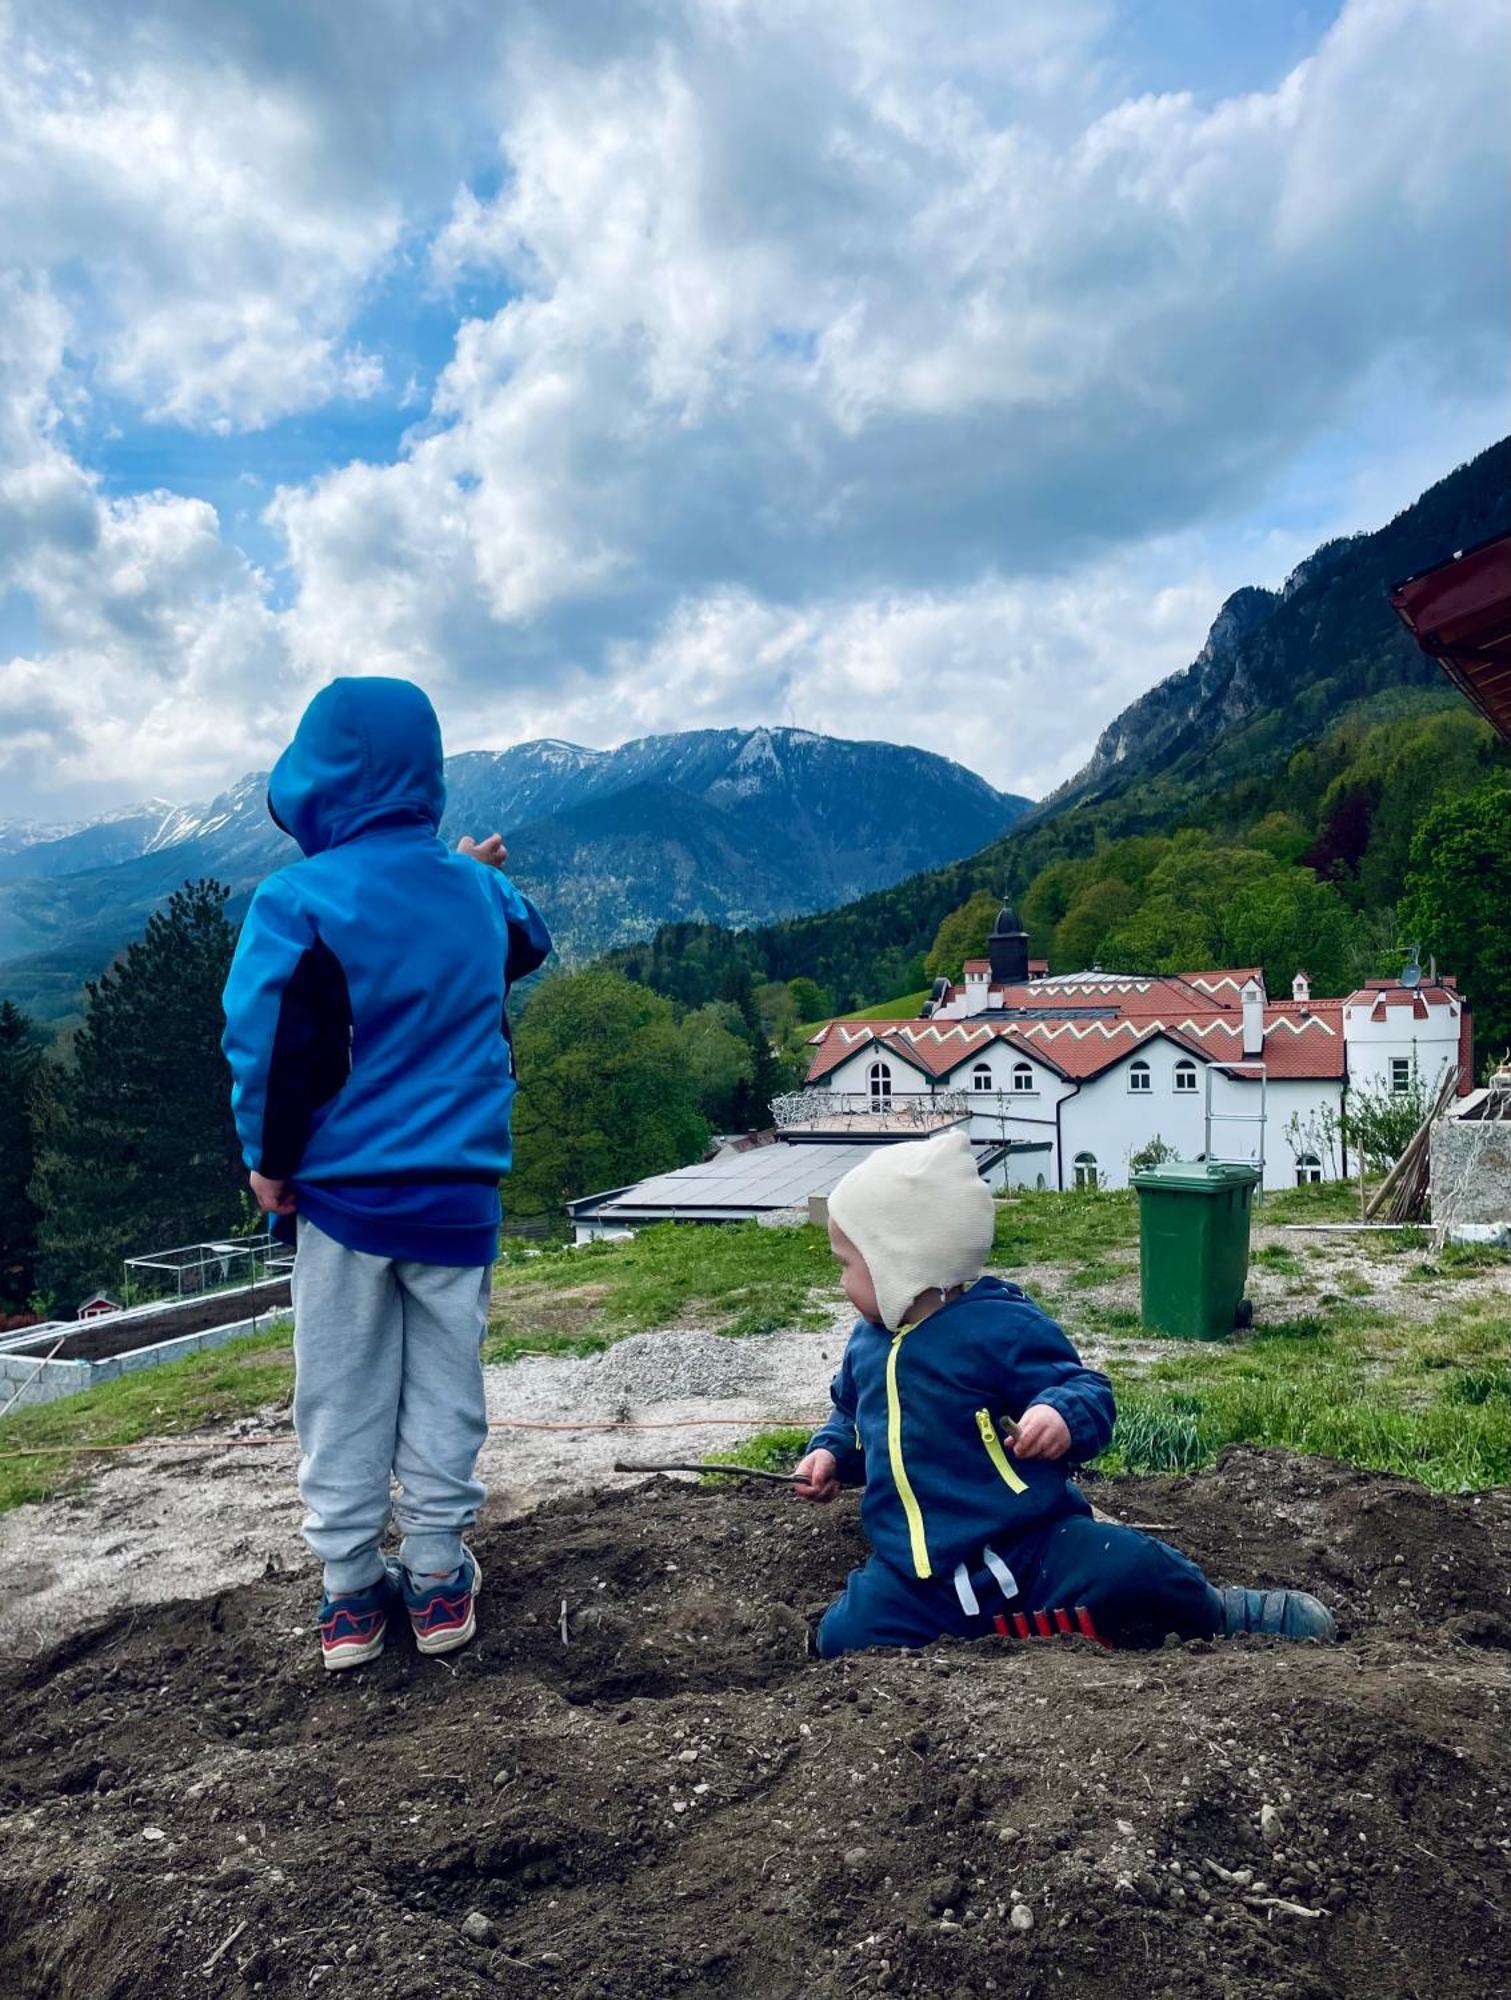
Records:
x=671, y=1799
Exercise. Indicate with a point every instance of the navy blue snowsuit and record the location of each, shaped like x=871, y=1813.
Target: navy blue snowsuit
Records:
x=967, y=1540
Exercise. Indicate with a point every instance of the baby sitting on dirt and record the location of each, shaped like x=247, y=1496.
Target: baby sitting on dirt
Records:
x=971, y=1535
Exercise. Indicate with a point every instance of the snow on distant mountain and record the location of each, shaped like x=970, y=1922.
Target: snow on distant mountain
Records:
x=727, y=825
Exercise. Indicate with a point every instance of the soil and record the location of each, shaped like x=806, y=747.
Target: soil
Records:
x=635, y=1783
x=150, y=1525
x=97, y=1340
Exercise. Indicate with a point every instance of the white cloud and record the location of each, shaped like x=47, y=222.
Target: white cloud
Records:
x=162, y=649
x=220, y=257
x=886, y=324
x=873, y=366
x=964, y=673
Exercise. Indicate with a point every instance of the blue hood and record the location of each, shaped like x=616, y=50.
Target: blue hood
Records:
x=367, y=753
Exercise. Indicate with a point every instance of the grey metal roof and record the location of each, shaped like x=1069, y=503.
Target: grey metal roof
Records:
x=767, y=1177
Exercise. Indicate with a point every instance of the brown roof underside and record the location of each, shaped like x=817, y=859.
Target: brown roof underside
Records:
x=1460, y=614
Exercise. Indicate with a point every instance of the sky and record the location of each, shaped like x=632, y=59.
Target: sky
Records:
x=922, y=373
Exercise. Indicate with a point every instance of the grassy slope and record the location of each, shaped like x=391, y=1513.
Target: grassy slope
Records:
x=1372, y=1359
x=209, y=1388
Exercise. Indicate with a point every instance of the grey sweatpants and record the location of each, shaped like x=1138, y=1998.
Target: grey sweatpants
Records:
x=388, y=1385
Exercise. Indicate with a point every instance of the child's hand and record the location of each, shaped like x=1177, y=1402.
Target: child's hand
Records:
x=817, y=1476
x=273, y=1196
x=1042, y=1433
x=491, y=852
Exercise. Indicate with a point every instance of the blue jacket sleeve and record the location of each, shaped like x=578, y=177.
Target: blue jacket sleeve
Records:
x=838, y=1433
x=288, y=1029
x=1039, y=1365
x=529, y=940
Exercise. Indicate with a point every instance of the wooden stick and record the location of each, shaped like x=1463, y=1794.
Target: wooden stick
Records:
x=734, y=1471
x=224, y=1946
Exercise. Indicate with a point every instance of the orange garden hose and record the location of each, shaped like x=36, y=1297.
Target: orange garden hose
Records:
x=494, y=1424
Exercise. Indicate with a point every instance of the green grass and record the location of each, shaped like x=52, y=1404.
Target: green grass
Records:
x=1276, y=1257
x=768, y=1451
x=181, y=1396
x=906, y=1008
x=1317, y=1201
x=1074, y=1229
x=737, y=1278
x=1427, y=1398
x=1452, y=1445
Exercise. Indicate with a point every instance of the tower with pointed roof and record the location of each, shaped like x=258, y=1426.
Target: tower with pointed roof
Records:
x=1007, y=948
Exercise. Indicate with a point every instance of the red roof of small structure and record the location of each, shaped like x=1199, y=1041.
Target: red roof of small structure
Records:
x=1460, y=613
x=1380, y=995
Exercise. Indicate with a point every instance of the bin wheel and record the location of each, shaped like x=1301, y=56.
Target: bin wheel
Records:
x=1243, y=1317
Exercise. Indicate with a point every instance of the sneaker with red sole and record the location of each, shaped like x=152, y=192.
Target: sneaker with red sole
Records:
x=443, y=1610
x=354, y=1626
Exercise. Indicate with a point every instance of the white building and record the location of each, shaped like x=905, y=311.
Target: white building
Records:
x=1097, y=1066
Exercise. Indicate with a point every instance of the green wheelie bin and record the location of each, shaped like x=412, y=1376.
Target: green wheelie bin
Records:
x=1194, y=1247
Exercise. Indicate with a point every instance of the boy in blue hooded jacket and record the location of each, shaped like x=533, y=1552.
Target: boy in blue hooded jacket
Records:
x=971, y=1535
x=372, y=1078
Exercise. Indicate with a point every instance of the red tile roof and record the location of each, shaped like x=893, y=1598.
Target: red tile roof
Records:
x=1380, y=995
x=1298, y=1042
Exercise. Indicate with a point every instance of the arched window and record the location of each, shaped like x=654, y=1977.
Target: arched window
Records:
x=1308, y=1168
x=880, y=1075
x=1086, y=1170
x=1023, y=1077
x=1139, y=1077
x=981, y=1077
x=1185, y=1075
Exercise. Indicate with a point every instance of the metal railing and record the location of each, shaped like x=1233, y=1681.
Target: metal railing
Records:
x=819, y=1107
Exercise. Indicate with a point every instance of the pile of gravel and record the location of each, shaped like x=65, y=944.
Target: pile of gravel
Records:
x=684, y=1368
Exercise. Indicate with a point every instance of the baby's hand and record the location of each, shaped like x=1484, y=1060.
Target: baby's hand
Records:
x=817, y=1476
x=1042, y=1433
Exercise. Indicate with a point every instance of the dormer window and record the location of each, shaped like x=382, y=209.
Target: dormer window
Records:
x=880, y=1078
x=1185, y=1076
x=1023, y=1078
x=1139, y=1078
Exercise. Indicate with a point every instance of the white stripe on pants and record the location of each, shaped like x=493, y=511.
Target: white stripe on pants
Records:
x=388, y=1384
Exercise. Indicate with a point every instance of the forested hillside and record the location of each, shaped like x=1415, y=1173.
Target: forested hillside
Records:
x=1270, y=804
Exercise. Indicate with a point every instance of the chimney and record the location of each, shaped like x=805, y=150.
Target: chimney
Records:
x=1253, y=1019
x=1301, y=989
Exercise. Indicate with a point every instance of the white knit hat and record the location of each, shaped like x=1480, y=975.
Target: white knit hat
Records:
x=920, y=1215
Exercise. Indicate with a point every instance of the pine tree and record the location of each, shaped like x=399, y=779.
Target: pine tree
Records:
x=768, y=1075
x=20, y=1070
x=137, y=1150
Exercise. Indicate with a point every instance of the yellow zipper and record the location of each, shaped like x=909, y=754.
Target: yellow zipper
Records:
x=905, y=1491
x=995, y=1452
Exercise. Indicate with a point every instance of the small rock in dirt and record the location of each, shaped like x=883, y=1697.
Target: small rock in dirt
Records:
x=945, y=1893
x=477, y=1927
x=1021, y=1917
x=1008, y=1833
x=1271, y=1825
x=855, y=1860
x=153, y=1833
x=106, y=1780
x=500, y=1779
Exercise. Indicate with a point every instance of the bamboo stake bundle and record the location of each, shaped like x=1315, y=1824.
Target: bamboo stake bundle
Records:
x=1405, y=1187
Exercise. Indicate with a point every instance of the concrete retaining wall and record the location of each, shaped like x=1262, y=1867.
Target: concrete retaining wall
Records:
x=41, y=1381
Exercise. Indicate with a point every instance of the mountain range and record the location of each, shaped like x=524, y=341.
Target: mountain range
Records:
x=1322, y=658
x=726, y=826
